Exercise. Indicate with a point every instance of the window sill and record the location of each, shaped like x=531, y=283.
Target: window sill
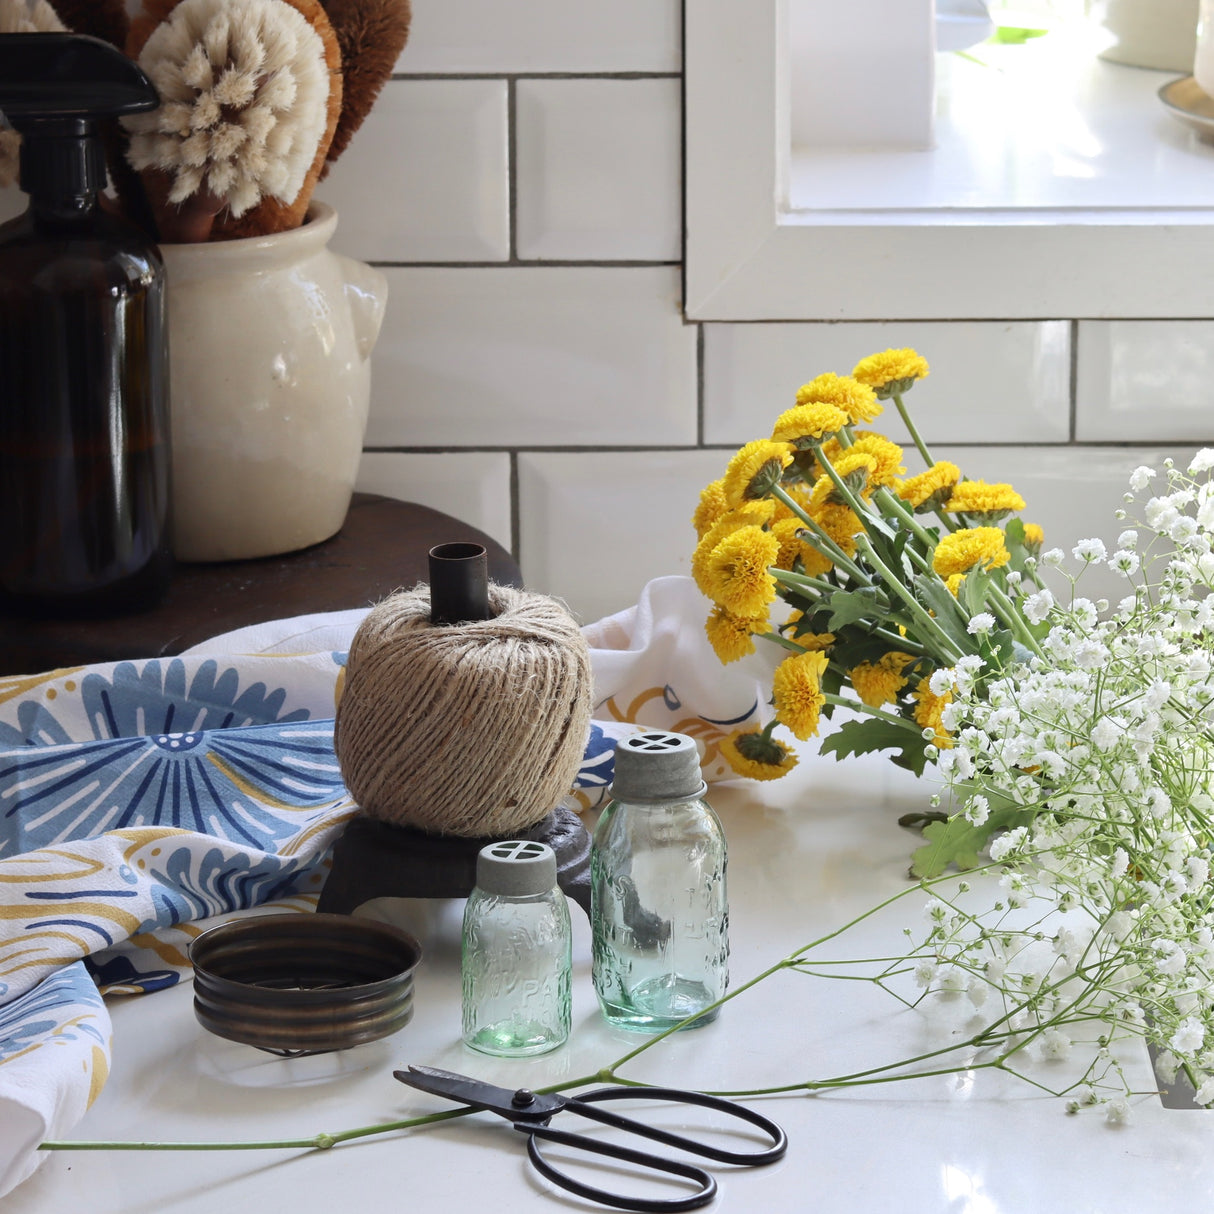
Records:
x=1091, y=201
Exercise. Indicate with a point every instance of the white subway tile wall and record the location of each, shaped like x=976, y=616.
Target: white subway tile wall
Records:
x=522, y=356
x=990, y=381
x=1139, y=375
x=437, y=153
x=579, y=36
x=471, y=486
x=610, y=408
x=598, y=170
x=568, y=410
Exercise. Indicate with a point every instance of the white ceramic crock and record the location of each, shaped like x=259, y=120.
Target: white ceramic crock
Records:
x=270, y=341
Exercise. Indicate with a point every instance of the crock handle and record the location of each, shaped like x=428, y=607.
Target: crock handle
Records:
x=367, y=295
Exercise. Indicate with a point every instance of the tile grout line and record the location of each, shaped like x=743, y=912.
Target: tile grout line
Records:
x=515, y=511
x=700, y=387
x=514, y=75
x=1074, y=403
x=512, y=169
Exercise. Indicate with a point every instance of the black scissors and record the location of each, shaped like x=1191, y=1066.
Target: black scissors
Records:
x=530, y=1113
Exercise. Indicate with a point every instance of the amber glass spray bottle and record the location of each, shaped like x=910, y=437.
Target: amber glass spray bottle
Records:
x=84, y=444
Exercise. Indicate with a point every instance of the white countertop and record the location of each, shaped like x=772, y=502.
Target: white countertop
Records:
x=806, y=854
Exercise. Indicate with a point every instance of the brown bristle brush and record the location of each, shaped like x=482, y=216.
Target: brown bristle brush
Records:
x=250, y=98
x=371, y=34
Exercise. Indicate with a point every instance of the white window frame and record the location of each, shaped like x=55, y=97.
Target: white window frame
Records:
x=749, y=257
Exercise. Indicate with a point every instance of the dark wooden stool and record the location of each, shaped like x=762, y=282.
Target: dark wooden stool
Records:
x=382, y=547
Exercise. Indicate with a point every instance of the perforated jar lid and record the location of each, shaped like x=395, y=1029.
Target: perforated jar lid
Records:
x=516, y=868
x=657, y=765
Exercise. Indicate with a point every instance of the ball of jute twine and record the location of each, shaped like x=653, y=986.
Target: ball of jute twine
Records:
x=473, y=729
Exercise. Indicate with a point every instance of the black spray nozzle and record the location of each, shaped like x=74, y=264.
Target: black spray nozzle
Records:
x=49, y=80
x=53, y=89
x=459, y=584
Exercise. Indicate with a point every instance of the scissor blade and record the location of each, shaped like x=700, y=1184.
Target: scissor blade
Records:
x=463, y=1088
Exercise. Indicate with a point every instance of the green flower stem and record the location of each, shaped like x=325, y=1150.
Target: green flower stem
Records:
x=1009, y=613
x=857, y=706
x=778, y=638
x=904, y=413
x=924, y=621
x=858, y=509
x=895, y=505
x=829, y=547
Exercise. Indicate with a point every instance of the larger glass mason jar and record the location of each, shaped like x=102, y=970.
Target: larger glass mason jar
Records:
x=659, y=911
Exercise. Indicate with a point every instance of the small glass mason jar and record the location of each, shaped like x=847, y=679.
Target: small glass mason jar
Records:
x=516, y=955
x=659, y=911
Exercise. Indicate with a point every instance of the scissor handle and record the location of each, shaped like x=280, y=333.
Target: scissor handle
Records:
x=704, y=1194
x=584, y=1103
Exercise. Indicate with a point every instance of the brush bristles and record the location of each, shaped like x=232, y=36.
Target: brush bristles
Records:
x=244, y=89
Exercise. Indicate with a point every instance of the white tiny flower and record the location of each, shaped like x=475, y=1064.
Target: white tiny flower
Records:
x=1055, y=1046
x=982, y=622
x=1204, y=1094
x=1037, y=606
x=1106, y=733
x=1124, y=562
x=1166, y=1066
x=1141, y=477
x=1054, y=557
x=1128, y=539
x=1182, y=530
x=941, y=682
x=1189, y=1037
x=1089, y=550
x=1117, y=1111
x=1203, y=461
x=978, y=810
x=925, y=973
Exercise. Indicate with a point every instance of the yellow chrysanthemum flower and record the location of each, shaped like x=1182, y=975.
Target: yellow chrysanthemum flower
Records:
x=891, y=372
x=736, y=571
x=712, y=505
x=796, y=689
x=800, y=495
x=813, y=641
x=964, y=550
x=852, y=462
x=928, y=709
x=788, y=533
x=732, y=636
x=953, y=582
x=977, y=497
x=878, y=683
x=1034, y=537
x=936, y=483
x=748, y=514
x=888, y=457
x=857, y=400
x=756, y=756
x=840, y=524
x=808, y=423
x=754, y=470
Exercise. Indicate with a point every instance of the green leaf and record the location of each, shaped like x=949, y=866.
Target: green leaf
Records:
x=974, y=589
x=958, y=842
x=955, y=842
x=849, y=606
x=934, y=594
x=863, y=737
